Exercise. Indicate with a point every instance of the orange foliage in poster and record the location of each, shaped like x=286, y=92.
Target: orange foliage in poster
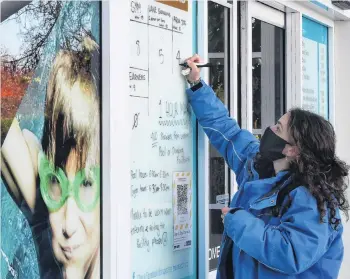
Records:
x=13, y=87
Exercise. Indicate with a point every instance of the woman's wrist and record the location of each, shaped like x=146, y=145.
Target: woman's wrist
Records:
x=194, y=83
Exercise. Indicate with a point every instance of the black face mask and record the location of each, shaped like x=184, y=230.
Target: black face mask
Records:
x=271, y=146
x=264, y=167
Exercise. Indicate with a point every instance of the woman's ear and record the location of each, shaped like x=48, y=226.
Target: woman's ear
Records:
x=291, y=151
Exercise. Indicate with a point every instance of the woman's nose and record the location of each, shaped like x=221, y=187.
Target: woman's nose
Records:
x=71, y=218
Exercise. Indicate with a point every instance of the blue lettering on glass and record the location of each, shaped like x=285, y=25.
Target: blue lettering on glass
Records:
x=315, y=67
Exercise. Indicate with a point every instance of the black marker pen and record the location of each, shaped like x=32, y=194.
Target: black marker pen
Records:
x=199, y=65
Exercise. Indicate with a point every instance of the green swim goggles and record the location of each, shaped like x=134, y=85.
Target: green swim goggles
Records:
x=55, y=187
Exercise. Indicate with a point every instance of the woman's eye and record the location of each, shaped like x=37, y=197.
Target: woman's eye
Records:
x=53, y=179
x=87, y=183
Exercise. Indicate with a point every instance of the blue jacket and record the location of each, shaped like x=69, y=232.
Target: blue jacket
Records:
x=295, y=245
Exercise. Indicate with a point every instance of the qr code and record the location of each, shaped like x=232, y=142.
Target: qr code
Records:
x=182, y=199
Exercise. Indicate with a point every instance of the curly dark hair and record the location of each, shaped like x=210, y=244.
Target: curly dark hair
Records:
x=317, y=166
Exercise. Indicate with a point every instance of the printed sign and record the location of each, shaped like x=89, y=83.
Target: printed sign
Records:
x=223, y=199
x=50, y=140
x=180, y=4
x=182, y=200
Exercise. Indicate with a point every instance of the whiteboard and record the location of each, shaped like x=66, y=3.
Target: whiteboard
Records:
x=161, y=143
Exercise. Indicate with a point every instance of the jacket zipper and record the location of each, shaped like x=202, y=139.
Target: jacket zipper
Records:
x=265, y=198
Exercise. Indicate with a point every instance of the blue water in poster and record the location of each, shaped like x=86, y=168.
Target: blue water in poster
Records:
x=26, y=250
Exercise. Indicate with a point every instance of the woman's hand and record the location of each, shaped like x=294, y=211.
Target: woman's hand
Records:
x=224, y=211
x=19, y=173
x=195, y=73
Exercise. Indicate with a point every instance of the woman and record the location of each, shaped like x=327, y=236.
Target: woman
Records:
x=298, y=236
x=59, y=177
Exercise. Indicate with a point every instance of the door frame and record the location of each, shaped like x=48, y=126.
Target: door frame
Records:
x=267, y=14
x=203, y=143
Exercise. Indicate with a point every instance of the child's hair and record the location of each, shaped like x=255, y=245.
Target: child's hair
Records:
x=72, y=110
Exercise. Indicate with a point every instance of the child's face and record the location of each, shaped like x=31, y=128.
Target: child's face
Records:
x=75, y=233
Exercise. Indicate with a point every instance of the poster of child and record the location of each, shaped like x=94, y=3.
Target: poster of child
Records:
x=50, y=148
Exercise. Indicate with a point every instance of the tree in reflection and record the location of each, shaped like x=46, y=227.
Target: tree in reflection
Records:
x=216, y=44
x=37, y=21
x=44, y=27
x=216, y=27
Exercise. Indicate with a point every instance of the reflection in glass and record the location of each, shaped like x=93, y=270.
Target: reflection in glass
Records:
x=267, y=74
x=256, y=35
x=218, y=46
x=216, y=27
x=217, y=77
x=256, y=93
x=217, y=180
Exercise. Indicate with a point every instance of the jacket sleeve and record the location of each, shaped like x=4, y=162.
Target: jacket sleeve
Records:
x=291, y=247
x=233, y=143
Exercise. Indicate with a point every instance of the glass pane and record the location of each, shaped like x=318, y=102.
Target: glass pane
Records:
x=217, y=180
x=216, y=27
x=279, y=73
x=218, y=45
x=256, y=26
x=315, y=60
x=217, y=76
x=257, y=93
x=267, y=74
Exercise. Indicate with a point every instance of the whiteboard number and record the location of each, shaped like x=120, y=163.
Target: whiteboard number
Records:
x=178, y=56
x=160, y=108
x=161, y=55
x=154, y=136
x=138, y=47
x=136, y=121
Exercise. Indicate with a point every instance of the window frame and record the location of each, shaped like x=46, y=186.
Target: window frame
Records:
x=250, y=10
x=203, y=143
x=116, y=197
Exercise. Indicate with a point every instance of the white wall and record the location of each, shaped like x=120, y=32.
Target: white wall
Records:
x=342, y=114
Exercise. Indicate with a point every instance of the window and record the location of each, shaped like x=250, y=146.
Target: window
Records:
x=267, y=74
x=218, y=48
